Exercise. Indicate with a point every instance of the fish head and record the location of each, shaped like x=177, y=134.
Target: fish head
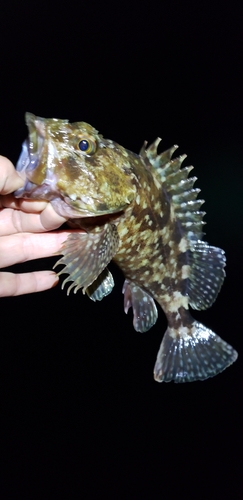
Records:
x=75, y=168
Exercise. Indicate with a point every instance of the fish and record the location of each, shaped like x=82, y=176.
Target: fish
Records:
x=141, y=211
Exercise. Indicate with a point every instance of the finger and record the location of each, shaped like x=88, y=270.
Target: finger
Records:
x=22, y=247
x=9, y=178
x=19, y=284
x=16, y=221
x=50, y=219
x=29, y=206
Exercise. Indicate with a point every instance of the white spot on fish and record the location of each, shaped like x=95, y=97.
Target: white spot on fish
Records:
x=123, y=231
x=185, y=271
x=183, y=245
x=145, y=262
x=176, y=300
x=164, y=231
x=182, y=331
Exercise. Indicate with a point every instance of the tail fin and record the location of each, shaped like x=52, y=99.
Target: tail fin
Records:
x=192, y=353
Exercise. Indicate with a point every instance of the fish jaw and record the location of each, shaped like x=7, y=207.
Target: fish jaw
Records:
x=27, y=163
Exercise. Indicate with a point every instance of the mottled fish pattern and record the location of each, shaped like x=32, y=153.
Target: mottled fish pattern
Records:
x=142, y=212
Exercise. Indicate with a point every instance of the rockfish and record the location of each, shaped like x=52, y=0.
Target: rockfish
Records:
x=142, y=212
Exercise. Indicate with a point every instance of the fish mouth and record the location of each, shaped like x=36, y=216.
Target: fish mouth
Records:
x=26, y=164
x=30, y=155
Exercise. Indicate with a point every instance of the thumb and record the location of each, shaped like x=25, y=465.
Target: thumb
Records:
x=9, y=178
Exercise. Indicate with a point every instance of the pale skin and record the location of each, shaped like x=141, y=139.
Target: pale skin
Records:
x=24, y=226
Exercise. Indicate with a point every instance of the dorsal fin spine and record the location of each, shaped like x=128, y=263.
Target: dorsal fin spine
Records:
x=178, y=185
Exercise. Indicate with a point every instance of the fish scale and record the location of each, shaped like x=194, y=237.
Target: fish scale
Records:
x=142, y=212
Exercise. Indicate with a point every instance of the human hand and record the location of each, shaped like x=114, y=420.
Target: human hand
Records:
x=23, y=236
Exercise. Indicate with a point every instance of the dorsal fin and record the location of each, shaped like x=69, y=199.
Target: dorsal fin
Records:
x=179, y=187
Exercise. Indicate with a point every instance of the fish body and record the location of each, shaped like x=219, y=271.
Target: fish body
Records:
x=142, y=212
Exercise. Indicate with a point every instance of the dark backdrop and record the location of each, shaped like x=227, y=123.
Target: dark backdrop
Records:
x=81, y=414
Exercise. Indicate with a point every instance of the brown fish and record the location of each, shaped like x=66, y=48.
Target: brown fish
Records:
x=142, y=212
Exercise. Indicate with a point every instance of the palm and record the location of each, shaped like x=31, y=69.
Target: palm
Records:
x=23, y=236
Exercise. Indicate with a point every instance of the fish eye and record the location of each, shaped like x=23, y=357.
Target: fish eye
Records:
x=87, y=146
x=83, y=145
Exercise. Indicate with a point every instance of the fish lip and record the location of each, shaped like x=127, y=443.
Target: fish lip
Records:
x=88, y=212
x=66, y=210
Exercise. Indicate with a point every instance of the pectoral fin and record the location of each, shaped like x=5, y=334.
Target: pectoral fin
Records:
x=86, y=255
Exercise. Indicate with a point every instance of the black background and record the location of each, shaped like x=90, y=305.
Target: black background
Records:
x=81, y=414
